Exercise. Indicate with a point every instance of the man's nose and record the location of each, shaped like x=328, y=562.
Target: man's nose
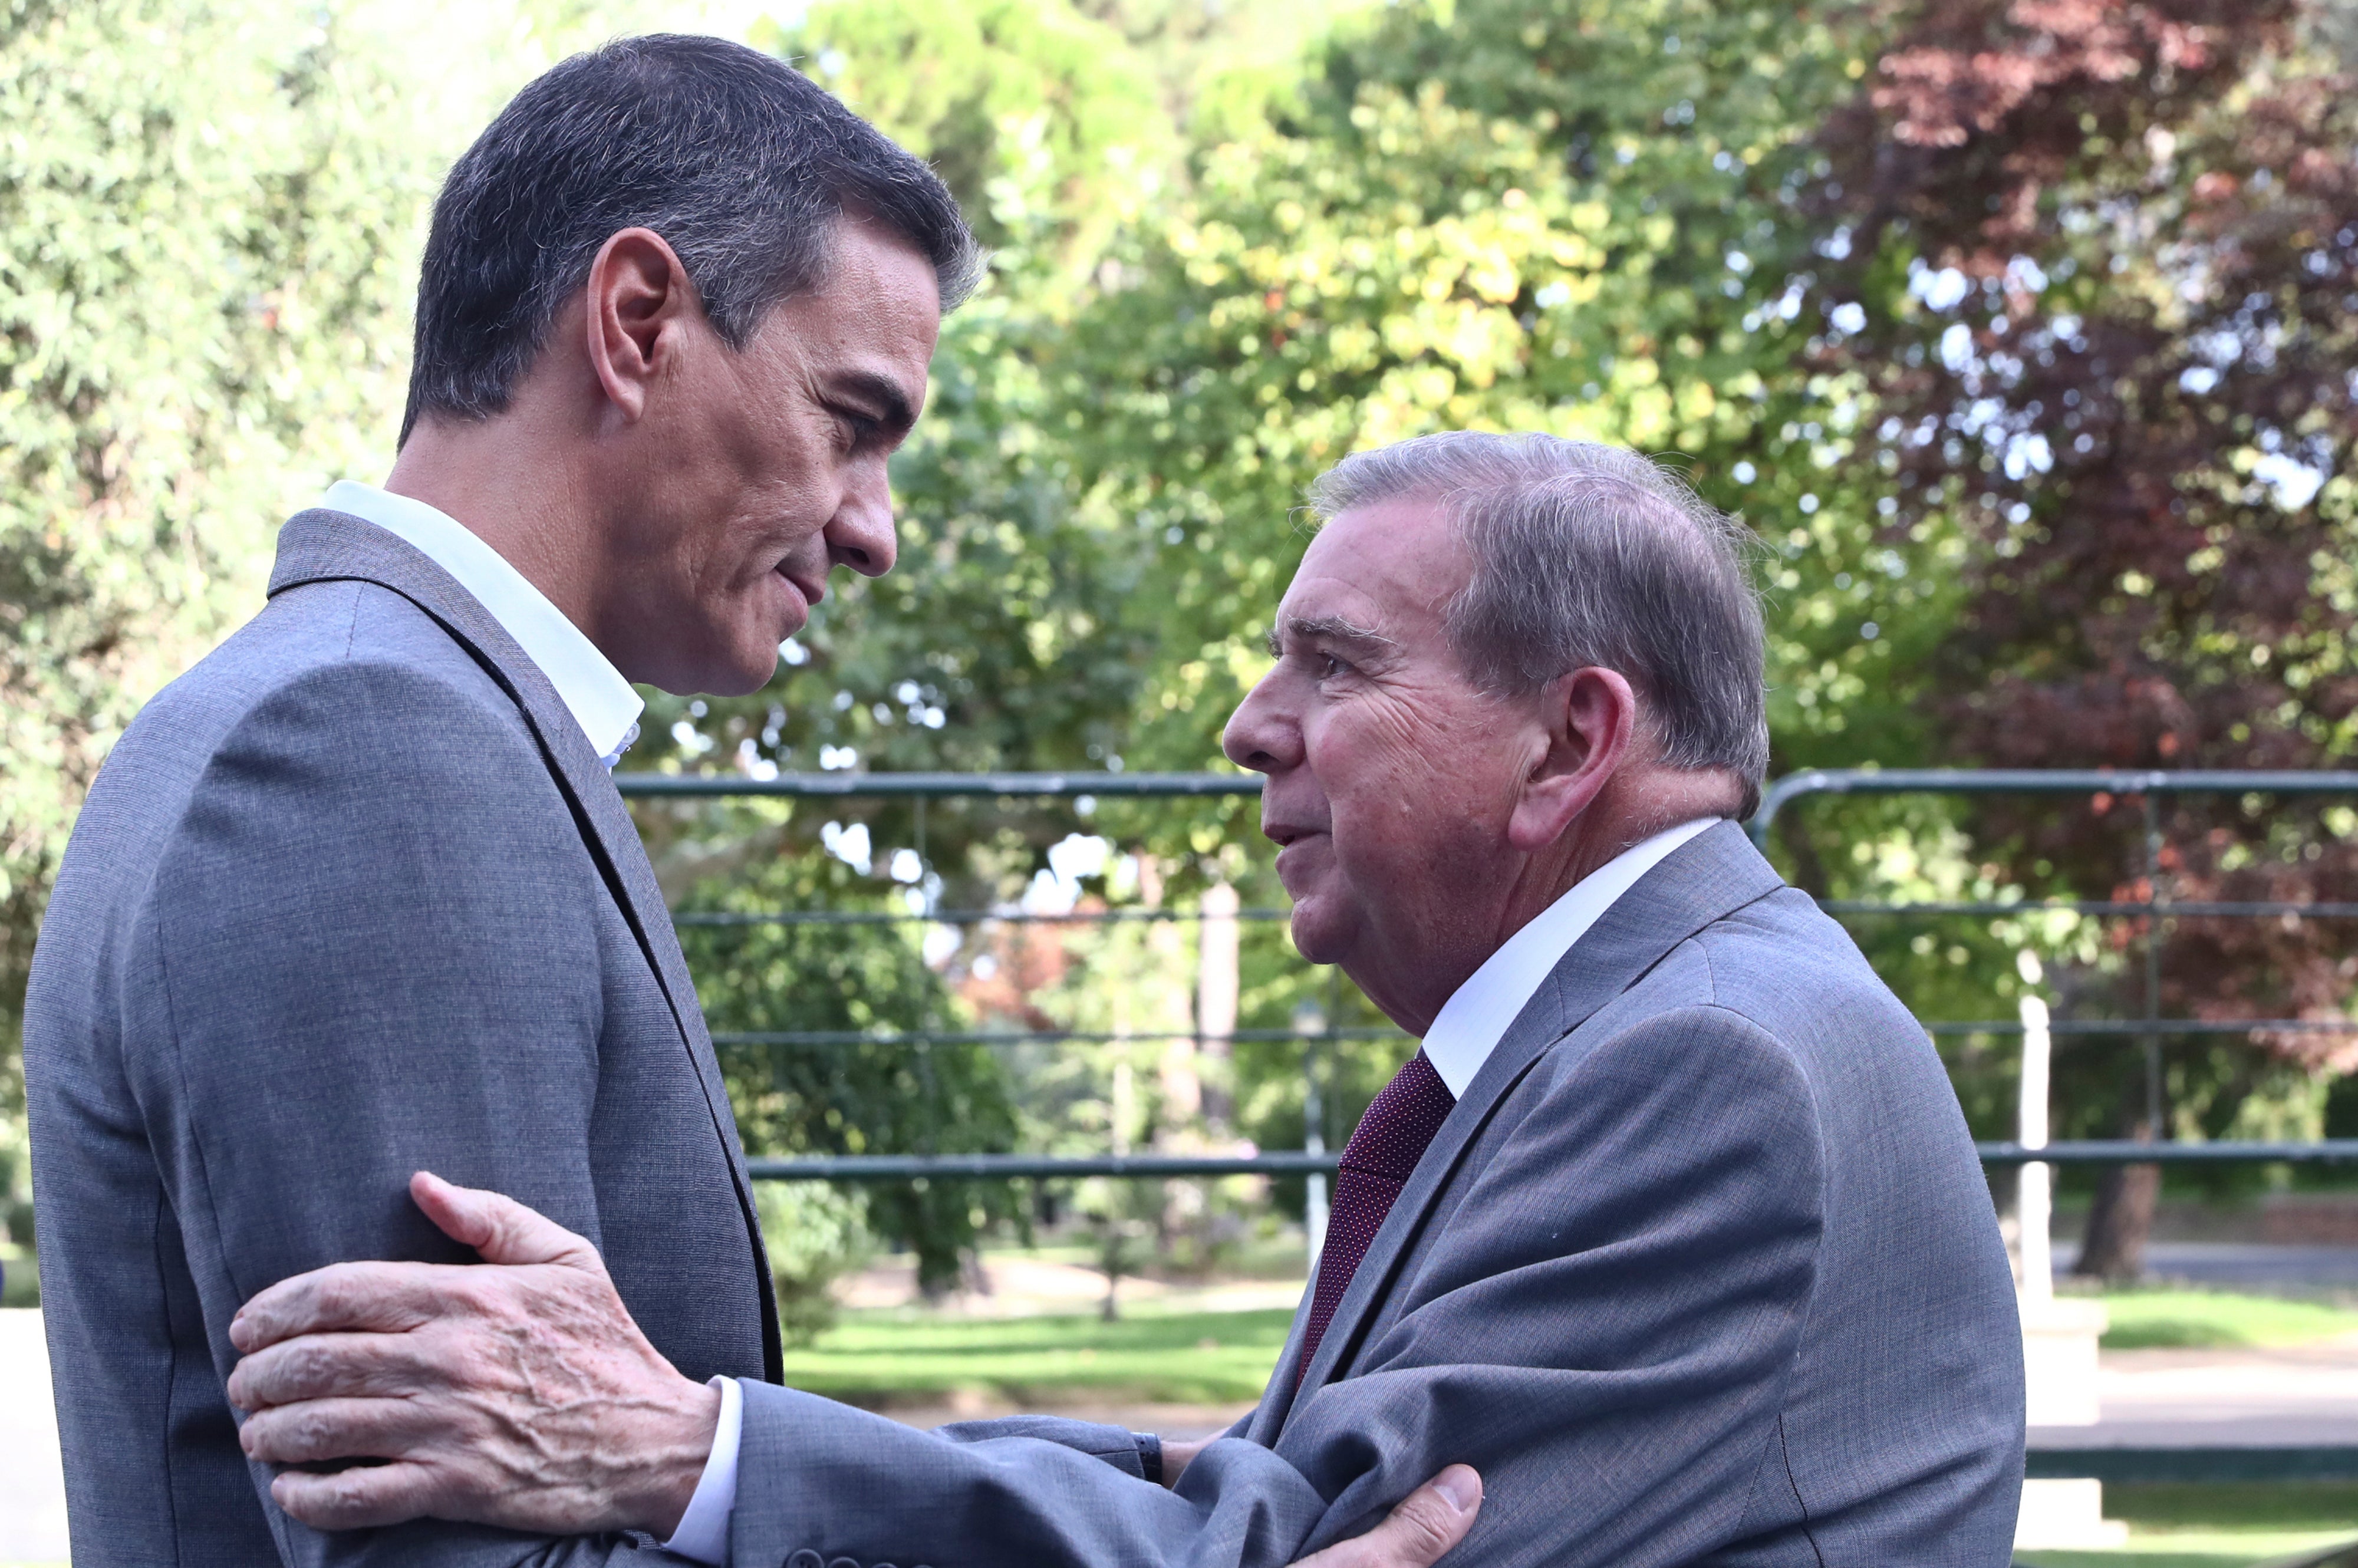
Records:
x=1260, y=735
x=860, y=534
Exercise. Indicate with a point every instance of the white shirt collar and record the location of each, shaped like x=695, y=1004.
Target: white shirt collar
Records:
x=593, y=689
x=1476, y=1015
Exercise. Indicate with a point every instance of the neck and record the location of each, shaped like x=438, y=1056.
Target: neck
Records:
x=504, y=486
x=1637, y=804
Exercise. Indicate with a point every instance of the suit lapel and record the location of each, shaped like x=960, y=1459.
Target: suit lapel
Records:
x=324, y=547
x=1705, y=879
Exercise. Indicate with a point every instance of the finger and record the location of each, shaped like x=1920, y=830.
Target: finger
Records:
x=319, y=1430
x=363, y=1498
x=376, y=1298
x=333, y=1366
x=1416, y=1534
x=499, y=1228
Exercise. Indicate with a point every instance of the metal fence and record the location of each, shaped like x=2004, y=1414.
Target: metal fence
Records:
x=1084, y=788
x=2146, y=788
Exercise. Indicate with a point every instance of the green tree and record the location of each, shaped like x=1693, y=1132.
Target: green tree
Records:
x=2120, y=373
x=205, y=220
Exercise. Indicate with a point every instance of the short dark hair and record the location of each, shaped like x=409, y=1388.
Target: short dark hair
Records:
x=1587, y=553
x=742, y=164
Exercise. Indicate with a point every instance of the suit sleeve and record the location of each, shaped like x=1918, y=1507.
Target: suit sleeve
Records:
x=373, y=953
x=1601, y=1329
x=1125, y=1450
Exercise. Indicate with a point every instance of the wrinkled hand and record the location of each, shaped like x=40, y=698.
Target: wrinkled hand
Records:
x=525, y=1396
x=520, y=1396
x=1416, y=1534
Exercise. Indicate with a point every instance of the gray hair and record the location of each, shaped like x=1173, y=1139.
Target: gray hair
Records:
x=1591, y=555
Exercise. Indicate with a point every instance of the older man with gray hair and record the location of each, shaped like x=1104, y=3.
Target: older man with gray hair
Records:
x=1671, y=1228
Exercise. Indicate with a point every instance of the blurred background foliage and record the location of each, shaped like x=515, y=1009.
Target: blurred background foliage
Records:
x=2019, y=331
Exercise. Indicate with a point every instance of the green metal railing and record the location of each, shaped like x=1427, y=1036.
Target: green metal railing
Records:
x=2144, y=787
x=2147, y=787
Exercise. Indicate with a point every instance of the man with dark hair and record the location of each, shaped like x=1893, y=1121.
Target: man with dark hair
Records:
x=1671, y=1228
x=356, y=895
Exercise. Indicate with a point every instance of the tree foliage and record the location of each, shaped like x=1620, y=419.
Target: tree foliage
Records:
x=2121, y=370
x=2020, y=331
x=202, y=231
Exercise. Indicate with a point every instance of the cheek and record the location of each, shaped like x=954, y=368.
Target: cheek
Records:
x=1406, y=794
x=1377, y=763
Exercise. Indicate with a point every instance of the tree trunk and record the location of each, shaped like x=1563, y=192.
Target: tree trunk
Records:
x=2120, y=1221
x=1216, y=1005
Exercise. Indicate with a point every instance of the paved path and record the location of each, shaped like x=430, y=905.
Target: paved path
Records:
x=32, y=1484
x=2299, y=1396
x=2237, y=1265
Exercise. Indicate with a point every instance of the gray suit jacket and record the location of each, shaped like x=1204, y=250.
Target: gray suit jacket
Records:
x=1701, y=1269
x=352, y=898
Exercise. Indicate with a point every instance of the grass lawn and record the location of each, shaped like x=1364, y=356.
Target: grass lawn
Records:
x=884, y=1359
x=902, y=1359
x=2218, y=1526
x=2143, y=1319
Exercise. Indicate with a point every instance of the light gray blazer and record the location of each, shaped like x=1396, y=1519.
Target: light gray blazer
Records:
x=1701, y=1269
x=352, y=898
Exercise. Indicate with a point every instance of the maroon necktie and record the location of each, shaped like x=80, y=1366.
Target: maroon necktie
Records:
x=1392, y=1138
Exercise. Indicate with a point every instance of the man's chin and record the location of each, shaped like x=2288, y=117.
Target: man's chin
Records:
x=1317, y=934
x=716, y=677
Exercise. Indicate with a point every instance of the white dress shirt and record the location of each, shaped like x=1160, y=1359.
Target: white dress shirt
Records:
x=703, y=1532
x=1476, y=1015
x=593, y=689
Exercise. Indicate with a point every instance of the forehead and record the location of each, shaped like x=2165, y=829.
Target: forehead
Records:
x=877, y=309
x=1394, y=565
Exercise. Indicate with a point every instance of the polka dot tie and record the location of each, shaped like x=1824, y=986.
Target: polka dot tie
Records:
x=1377, y=1164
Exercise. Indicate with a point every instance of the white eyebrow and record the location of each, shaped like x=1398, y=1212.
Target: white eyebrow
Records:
x=1334, y=628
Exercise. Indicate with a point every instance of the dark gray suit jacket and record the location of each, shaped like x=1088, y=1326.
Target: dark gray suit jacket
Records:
x=1701, y=1269
x=350, y=899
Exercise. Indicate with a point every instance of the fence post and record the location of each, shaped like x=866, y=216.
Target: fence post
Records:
x=2035, y=1200
x=1215, y=1002
x=1310, y=1023
x=2151, y=1041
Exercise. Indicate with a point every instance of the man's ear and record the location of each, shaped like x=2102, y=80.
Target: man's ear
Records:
x=1589, y=719
x=639, y=306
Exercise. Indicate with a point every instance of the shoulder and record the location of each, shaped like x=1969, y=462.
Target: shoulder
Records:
x=309, y=643
x=353, y=675
x=344, y=714
x=365, y=798
x=1779, y=982
x=1697, y=1057
x=1720, y=1041
x=1783, y=966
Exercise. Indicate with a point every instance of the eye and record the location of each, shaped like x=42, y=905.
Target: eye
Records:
x=858, y=429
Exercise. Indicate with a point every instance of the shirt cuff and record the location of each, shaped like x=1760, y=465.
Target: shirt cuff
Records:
x=703, y=1533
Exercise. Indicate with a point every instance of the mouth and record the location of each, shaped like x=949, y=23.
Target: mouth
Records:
x=811, y=589
x=1285, y=835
